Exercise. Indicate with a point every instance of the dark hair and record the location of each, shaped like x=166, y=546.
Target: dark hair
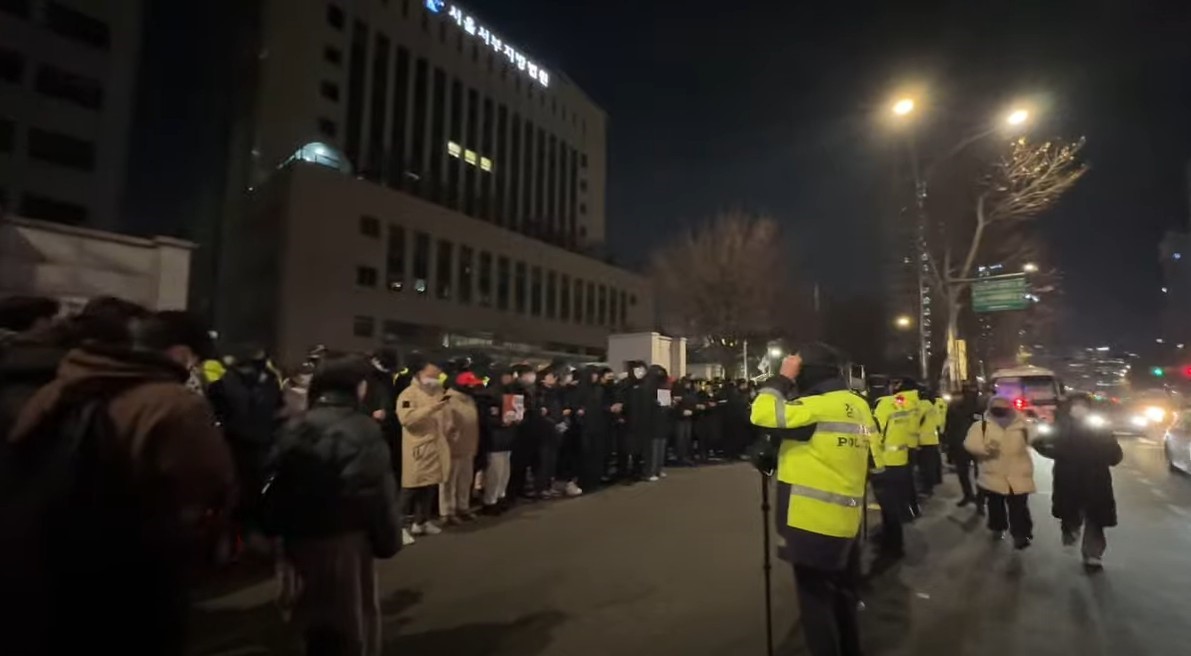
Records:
x=162, y=330
x=338, y=375
x=107, y=320
x=20, y=313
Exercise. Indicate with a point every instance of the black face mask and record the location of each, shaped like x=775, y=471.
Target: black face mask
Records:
x=999, y=413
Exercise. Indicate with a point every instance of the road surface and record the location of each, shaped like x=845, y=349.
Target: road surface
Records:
x=674, y=567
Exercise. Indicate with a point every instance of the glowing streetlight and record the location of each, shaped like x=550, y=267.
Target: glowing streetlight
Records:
x=1030, y=267
x=903, y=322
x=903, y=107
x=1017, y=117
x=775, y=352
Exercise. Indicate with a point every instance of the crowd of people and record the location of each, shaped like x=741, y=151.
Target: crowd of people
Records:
x=122, y=421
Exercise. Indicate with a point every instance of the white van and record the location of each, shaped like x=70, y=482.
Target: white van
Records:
x=1034, y=391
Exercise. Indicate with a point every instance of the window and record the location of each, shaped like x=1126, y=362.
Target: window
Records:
x=502, y=283
x=539, y=168
x=466, y=255
x=327, y=128
x=442, y=274
x=513, y=215
x=370, y=226
x=335, y=16
x=40, y=207
x=583, y=160
x=19, y=8
x=333, y=55
x=583, y=185
x=421, y=261
x=551, y=294
x=612, y=307
x=578, y=301
x=485, y=279
x=564, y=303
x=397, y=144
x=61, y=149
x=7, y=133
x=602, y=316
x=375, y=164
x=395, y=259
x=455, y=134
x=76, y=89
x=472, y=141
x=633, y=300
x=524, y=219
x=582, y=209
x=365, y=276
x=519, y=288
x=590, y=303
x=535, y=291
x=421, y=85
x=329, y=90
x=363, y=326
x=355, y=92
x=552, y=188
x=77, y=26
x=12, y=66
x=624, y=309
x=438, y=133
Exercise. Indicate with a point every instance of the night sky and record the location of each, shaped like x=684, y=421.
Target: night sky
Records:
x=770, y=107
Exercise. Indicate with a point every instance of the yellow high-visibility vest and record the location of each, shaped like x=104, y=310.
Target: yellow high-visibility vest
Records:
x=898, y=418
x=928, y=427
x=827, y=473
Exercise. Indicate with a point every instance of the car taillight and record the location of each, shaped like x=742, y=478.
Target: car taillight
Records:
x=1021, y=403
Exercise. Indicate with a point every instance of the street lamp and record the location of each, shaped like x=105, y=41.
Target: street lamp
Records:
x=1029, y=267
x=903, y=322
x=775, y=352
x=903, y=106
x=1017, y=117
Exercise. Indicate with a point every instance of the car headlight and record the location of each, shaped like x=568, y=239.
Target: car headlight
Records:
x=1045, y=429
x=1155, y=414
x=1097, y=421
x=1139, y=421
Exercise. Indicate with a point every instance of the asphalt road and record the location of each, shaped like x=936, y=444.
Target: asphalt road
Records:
x=674, y=567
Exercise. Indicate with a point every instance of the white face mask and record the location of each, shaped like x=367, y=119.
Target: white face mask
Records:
x=639, y=373
x=430, y=382
x=529, y=379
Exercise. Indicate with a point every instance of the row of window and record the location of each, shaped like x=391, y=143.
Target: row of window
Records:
x=337, y=20
x=52, y=81
x=64, y=21
x=532, y=180
x=467, y=276
x=36, y=206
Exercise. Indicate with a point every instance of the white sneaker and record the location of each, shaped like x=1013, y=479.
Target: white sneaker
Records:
x=406, y=538
x=663, y=474
x=653, y=479
x=431, y=528
x=1093, y=562
x=573, y=490
x=417, y=529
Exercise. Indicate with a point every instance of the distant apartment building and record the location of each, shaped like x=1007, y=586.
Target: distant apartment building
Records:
x=407, y=175
x=67, y=76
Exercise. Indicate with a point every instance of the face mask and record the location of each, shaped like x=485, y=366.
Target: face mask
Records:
x=1079, y=411
x=639, y=373
x=430, y=382
x=529, y=379
x=304, y=379
x=999, y=412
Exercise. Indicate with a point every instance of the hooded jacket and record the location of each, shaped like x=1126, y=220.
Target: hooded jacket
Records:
x=1004, y=454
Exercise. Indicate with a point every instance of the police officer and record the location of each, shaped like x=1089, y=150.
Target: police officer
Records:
x=821, y=440
x=930, y=460
x=896, y=423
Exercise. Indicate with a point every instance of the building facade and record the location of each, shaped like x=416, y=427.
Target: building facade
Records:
x=414, y=178
x=67, y=76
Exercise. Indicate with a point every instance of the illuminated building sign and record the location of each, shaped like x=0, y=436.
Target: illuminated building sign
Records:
x=468, y=24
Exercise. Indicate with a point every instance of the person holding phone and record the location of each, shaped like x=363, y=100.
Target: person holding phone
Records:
x=426, y=455
x=1000, y=441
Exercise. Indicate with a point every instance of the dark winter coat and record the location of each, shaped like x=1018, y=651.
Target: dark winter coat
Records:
x=640, y=411
x=381, y=396
x=248, y=403
x=502, y=436
x=26, y=363
x=1083, y=457
x=332, y=475
x=592, y=404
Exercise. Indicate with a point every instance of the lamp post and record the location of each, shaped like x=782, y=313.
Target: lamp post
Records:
x=902, y=109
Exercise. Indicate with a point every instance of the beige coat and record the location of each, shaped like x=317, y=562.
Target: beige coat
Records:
x=463, y=430
x=1006, y=466
x=425, y=422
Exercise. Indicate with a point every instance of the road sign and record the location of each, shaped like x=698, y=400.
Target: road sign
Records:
x=999, y=295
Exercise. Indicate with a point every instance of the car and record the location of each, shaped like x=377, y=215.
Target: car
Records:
x=1176, y=444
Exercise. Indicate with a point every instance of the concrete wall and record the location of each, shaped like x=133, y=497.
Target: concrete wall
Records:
x=77, y=264
x=651, y=348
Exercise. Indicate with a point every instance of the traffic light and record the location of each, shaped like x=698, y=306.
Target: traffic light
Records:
x=1157, y=372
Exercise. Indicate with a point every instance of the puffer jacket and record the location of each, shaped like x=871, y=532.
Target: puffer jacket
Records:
x=331, y=475
x=1004, y=454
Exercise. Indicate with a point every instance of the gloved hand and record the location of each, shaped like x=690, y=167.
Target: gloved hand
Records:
x=763, y=455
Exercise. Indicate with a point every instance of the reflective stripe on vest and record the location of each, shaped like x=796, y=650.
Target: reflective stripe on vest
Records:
x=897, y=447
x=828, y=497
x=840, y=427
x=780, y=409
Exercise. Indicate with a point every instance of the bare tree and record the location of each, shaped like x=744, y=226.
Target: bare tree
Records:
x=1025, y=181
x=724, y=282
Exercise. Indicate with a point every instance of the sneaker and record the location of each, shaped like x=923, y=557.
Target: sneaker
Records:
x=451, y=520
x=662, y=474
x=998, y=536
x=468, y=516
x=1021, y=543
x=431, y=529
x=964, y=501
x=1069, y=539
x=406, y=538
x=1092, y=562
x=653, y=479
x=417, y=529
x=573, y=490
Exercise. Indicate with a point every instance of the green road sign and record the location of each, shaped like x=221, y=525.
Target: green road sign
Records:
x=1000, y=295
